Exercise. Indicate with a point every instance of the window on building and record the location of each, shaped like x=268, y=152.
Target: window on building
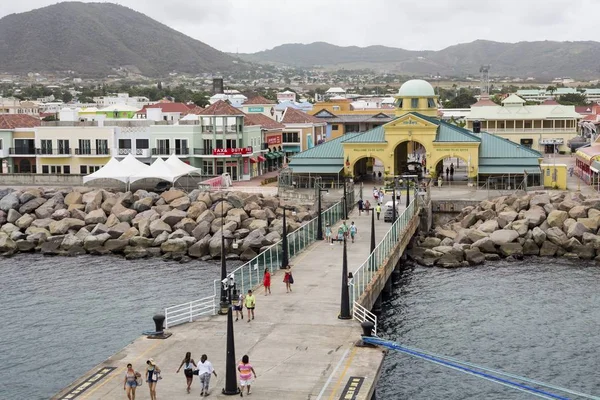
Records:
x=85, y=146
x=334, y=127
x=124, y=143
x=220, y=167
x=101, y=146
x=181, y=146
x=94, y=168
x=291, y=137
x=46, y=146
x=83, y=169
x=414, y=103
x=142, y=143
x=63, y=146
x=219, y=144
x=0, y=144
x=162, y=146
x=56, y=169
x=336, y=108
x=431, y=103
x=208, y=147
x=208, y=167
x=45, y=169
x=66, y=169
x=231, y=143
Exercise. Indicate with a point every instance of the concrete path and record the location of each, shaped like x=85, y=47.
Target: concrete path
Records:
x=298, y=346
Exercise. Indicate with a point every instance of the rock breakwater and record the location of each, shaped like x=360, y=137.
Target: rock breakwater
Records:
x=555, y=224
x=173, y=224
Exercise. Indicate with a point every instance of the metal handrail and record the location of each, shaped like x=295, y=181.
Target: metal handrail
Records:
x=361, y=314
x=187, y=312
x=364, y=274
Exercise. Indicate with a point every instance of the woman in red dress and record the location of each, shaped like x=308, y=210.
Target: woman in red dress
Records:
x=267, y=282
x=288, y=279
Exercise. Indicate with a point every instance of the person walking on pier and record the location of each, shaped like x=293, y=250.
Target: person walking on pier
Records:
x=447, y=172
x=250, y=304
x=130, y=382
x=239, y=307
x=367, y=206
x=340, y=234
x=288, y=279
x=353, y=231
x=328, y=234
x=267, y=281
x=378, y=210
x=246, y=371
x=189, y=364
x=152, y=377
x=360, y=206
x=451, y=171
x=205, y=368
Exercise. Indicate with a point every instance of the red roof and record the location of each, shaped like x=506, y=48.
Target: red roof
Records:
x=262, y=120
x=14, y=121
x=293, y=116
x=583, y=109
x=219, y=108
x=550, y=102
x=167, y=108
x=484, y=102
x=258, y=100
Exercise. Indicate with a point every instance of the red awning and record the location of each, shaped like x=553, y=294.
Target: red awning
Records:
x=261, y=159
x=253, y=160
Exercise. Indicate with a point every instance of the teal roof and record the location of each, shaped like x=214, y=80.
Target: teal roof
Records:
x=433, y=120
x=375, y=135
x=451, y=133
x=317, y=169
x=493, y=146
x=330, y=149
x=509, y=169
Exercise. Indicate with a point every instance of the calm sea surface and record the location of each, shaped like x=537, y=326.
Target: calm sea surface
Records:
x=537, y=318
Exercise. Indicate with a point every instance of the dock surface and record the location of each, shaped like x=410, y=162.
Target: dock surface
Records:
x=297, y=345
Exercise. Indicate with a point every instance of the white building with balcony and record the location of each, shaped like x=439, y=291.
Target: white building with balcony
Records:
x=122, y=98
x=546, y=128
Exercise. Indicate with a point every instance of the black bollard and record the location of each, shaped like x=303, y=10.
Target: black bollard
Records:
x=367, y=328
x=159, y=321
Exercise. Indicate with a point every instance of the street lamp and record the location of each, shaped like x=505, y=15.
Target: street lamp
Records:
x=231, y=386
x=372, y=233
x=284, y=242
x=224, y=306
x=319, y=217
x=345, y=199
x=345, y=298
x=394, y=201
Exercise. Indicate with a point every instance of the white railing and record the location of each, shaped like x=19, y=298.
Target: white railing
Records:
x=365, y=273
x=250, y=274
x=361, y=314
x=189, y=311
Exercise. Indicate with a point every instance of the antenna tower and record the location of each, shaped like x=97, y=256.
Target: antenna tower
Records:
x=484, y=70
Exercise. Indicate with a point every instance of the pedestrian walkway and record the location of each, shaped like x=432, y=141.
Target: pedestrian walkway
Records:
x=297, y=345
x=257, y=180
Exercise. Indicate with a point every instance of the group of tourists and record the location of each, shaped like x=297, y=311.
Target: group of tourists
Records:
x=344, y=232
x=204, y=370
x=450, y=171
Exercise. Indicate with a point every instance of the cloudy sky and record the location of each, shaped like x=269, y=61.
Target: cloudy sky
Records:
x=254, y=25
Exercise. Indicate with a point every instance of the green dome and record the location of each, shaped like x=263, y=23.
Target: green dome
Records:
x=416, y=88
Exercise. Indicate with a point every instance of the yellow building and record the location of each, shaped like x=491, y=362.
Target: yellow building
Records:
x=416, y=139
x=555, y=176
x=73, y=150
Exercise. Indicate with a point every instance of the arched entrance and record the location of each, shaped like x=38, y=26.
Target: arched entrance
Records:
x=456, y=168
x=407, y=155
x=368, y=169
x=24, y=166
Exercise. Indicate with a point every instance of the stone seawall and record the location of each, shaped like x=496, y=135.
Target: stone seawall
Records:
x=538, y=224
x=173, y=224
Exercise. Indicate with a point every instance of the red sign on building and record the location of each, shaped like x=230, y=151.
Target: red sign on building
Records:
x=274, y=140
x=232, y=152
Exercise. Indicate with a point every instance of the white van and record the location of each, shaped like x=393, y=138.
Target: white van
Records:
x=388, y=214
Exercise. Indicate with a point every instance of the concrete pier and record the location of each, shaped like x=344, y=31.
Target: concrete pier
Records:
x=297, y=345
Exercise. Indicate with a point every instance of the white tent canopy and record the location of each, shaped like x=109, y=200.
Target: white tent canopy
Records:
x=132, y=165
x=112, y=170
x=185, y=169
x=158, y=170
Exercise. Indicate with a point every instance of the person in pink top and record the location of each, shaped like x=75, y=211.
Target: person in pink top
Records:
x=246, y=371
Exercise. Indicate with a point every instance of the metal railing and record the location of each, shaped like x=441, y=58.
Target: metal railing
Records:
x=361, y=314
x=187, y=312
x=61, y=151
x=365, y=273
x=162, y=151
x=249, y=275
x=92, y=152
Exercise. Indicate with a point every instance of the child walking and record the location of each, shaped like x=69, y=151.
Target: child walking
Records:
x=267, y=282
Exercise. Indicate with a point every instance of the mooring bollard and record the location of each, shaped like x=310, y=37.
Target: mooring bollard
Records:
x=367, y=328
x=159, y=320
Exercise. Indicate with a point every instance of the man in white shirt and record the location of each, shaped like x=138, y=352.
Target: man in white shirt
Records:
x=205, y=368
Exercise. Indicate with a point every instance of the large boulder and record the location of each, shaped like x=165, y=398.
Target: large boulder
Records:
x=238, y=212
x=95, y=217
x=129, y=233
x=64, y=225
x=556, y=236
x=108, y=204
x=567, y=205
x=73, y=198
x=222, y=208
x=200, y=248
x=138, y=241
x=52, y=245
x=69, y=241
x=207, y=216
x=159, y=226
x=474, y=257
x=511, y=249
x=503, y=236
x=99, y=228
x=591, y=223
x=584, y=252
x=118, y=230
x=201, y=230
x=160, y=239
x=462, y=237
x=174, y=246
x=520, y=226
x=485, y=245
x=25, y=246
x=539, y=200
x=506, y=217
x=25, y=221
x=577, y=230
x=142, y=205
x=31, y=205
x=251, y=206
x=214, y=245
x=187, y=224
x=43, y=212
x=171, y=195
x=538, y=236
x=149, y=215
x=92, y=200
x=9, y=202
x=206, y=199
x=235, y=200
x=42, y=223
x=578, y=212
x=116, y=245
x=469, y=220
x=589, y=239
x=489, y=226
x=530, y=248
x=196, y=210
x=173, y=217
x=12, y=215
x=445, y=233
x=126, y=215
x=255, y=240
x=557, y=218
x=567, y=224
x=449, y=260
x=135, y=252
x=259, y=224
x=430, y=242
x=248, y=255
x=486, y=215
x=475, y=235
x=535, y=216
x=7, y=244
x=182, y=203
x=259, y=214
x=29, y=194
x=61, y=213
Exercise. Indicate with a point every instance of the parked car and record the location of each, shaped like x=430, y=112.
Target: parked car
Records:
x=388, y=215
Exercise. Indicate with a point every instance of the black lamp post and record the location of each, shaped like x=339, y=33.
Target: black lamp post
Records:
x=319, y=217
x=231, y=386
x=284, y=242
x=394, y=203
x=345, y=199
x=407, y=192
x=345, y=300
x=224, y=306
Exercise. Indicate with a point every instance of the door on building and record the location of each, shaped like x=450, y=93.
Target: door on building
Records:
x=549, y=148
x=232, y=169
x=181, y=147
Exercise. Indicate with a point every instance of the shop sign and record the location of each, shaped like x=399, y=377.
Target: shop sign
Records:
x=232, y=152
x=365, y=150
x=256, y=109
x=450, y=150
x=551, y=141
x=274, y=139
